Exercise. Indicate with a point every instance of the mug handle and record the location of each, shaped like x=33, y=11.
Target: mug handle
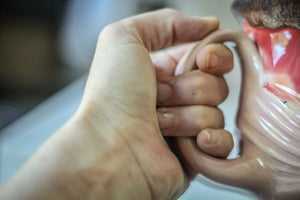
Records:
x=235, y=171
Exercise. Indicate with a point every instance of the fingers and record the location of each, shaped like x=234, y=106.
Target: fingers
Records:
x=192, y=88
x=188, y=120
x=215, y=59
x=206, y=123
x=215, y=142
x=165, y=61
x=164, y=28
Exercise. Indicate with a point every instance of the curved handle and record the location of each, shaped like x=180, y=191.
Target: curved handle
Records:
x=251, y=62
x=236, y=171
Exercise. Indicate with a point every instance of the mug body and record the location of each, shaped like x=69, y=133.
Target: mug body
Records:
x=269, y=113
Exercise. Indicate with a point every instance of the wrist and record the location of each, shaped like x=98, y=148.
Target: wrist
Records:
x=154, y=162
x=79, y=162
x=103, y=164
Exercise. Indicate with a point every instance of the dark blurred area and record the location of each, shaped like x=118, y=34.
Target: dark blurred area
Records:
x=33, y=62
x=30, y=66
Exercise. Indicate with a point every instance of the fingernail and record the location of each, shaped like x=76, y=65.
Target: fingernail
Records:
x=164, y=92
x=213, y=22
x=206, y=137
x=212, y=60
x=165, y=120
x=211, y=18
x=210, y=138
x=207, y=18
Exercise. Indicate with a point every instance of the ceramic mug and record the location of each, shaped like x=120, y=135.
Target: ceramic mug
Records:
x=268, y=116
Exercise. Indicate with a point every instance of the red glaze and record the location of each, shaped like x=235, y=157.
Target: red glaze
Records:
x=279, y=51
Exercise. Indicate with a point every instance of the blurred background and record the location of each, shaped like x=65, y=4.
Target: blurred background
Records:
x=45, y=45
x=31, y=67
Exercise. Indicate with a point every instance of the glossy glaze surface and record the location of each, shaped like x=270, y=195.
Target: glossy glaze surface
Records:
x=279, y=50
x=269, y=161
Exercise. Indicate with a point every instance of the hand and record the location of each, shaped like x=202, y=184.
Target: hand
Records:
x=112, y=148
x=187, y=103
x=124, y=76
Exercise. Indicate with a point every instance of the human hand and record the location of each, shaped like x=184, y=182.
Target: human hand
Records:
x=124, y=81
x=113, y=147
x=187, y=103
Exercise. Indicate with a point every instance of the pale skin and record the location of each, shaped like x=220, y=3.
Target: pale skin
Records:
x=113, y=147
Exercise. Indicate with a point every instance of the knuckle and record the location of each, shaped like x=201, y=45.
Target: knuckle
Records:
x=109, y=28
x=107, y=31
x=170, y=11
x=114, y=29
x=199, y=86
x=203, y=88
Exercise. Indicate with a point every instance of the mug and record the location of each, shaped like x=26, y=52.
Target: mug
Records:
x=268, y=115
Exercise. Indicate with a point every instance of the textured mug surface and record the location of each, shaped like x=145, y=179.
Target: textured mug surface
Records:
x=268, y=116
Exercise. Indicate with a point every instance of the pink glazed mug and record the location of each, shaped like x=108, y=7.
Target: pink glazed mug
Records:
x=268, y=116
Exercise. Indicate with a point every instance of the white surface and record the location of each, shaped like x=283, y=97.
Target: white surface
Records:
x=22, y=138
